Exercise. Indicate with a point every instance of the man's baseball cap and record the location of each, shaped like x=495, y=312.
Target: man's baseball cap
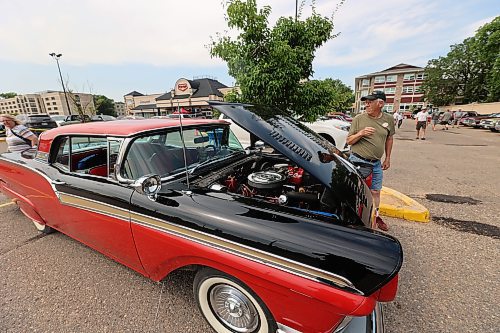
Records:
x=376, y=94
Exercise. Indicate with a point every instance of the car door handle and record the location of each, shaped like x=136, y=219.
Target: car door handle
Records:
x=58, y=182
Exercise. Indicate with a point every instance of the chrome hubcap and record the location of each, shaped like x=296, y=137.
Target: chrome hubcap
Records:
x=233, y=308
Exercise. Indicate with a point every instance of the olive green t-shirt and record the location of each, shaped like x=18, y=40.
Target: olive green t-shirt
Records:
x=373, y=146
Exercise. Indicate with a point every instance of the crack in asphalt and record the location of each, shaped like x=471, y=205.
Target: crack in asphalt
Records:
x=471, y=227
x=26, y=242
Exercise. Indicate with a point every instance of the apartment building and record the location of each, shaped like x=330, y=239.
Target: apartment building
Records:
x=192, y=95
x=401, y=84
x=120, y=109
x=51, y=102
x=22, y=104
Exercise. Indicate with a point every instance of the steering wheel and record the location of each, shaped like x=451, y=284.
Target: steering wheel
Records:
x=209, y=148
x=150, y=159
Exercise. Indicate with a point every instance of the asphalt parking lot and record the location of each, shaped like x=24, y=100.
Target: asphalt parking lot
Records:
x=448, y=283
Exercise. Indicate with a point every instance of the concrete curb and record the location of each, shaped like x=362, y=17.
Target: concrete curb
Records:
x=396, y=204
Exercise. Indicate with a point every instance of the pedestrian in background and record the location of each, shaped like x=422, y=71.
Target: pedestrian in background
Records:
x=421, y=123
x=456, y=117
x=400, y=119
x=445, y=119
x=370, y=136
x=435, y=118
x=19, y=137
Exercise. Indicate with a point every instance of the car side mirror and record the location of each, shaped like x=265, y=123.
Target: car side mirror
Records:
x=148, y=185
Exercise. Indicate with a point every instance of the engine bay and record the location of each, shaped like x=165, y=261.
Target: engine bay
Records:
x=273, y=179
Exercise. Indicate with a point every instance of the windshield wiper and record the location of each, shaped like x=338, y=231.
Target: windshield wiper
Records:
x=213, y=159
x=205, y=162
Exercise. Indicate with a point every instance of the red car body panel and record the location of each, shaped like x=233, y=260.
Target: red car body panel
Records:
x=285, y=295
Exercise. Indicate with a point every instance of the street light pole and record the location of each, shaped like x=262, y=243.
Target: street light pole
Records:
x=296, y=9
x=56, y=58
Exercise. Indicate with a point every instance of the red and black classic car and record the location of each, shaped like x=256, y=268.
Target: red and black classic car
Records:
x=280, y=233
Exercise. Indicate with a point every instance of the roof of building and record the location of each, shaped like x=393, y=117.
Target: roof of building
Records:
x=201, y=88
x=145, y=107
x=398, y=69
x=134, y=93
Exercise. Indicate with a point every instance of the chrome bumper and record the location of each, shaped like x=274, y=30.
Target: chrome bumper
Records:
x=373, y=323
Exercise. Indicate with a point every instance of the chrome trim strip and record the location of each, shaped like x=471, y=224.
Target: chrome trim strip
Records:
x=285, y=329
x=284, y=264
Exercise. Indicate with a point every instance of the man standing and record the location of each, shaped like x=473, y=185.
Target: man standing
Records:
x=456, y=117
x=435, y=118
x=371, y=135
x=445, y=119
x=421, y=124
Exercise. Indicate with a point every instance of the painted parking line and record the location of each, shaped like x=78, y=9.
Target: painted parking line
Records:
x=7, y=204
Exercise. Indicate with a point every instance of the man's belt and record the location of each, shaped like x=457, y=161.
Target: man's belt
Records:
x=364, y=159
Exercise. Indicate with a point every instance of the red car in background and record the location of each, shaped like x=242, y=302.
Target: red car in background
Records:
x=340, y=116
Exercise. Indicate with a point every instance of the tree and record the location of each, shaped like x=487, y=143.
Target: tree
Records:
x=8, y=95
x=104, y=105
x=272, y=66
x=488, y=49
x=469, y=72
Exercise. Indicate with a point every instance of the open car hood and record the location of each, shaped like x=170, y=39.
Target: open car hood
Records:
x=305, y=148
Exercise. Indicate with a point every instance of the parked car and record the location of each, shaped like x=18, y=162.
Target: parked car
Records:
x=76, y=119
x=489, y=123
x=474, y=121
x=37, y=123
x=281, y=241
x=328, y=129
x=59, y=119
x=340, y=116
x=497, y=126
x=102, y=117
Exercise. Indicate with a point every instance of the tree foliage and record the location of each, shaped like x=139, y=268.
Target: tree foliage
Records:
x=104, y=105
x=272, y=65
x=8, y=95
x=470, y=72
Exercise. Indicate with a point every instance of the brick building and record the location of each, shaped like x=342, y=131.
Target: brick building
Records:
x=401, y=84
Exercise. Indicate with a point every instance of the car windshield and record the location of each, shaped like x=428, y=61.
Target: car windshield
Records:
x=162, y=153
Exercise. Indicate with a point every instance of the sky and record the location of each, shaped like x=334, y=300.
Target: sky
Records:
x=113, y=47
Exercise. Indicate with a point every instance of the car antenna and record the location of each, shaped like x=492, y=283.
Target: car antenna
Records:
x=183, y=145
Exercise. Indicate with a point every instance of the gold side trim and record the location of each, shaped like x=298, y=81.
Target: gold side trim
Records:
x=281, y=263
x=93, y=206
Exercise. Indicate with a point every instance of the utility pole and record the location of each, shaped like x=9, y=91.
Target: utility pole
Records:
x=56, y=58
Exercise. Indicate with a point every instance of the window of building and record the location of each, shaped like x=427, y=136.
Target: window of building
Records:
x=49, y=109
x=55, y=107
x=46, y=98
x=52, y=98
x=379, y=79
x=418, y=89
x=409, y=77
x=390, y=91
x=388, y=108
x=366, y=83
x=421, y=76
x=364, y=93
x=53, y=103
x=391, y=78
x=408, y=89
